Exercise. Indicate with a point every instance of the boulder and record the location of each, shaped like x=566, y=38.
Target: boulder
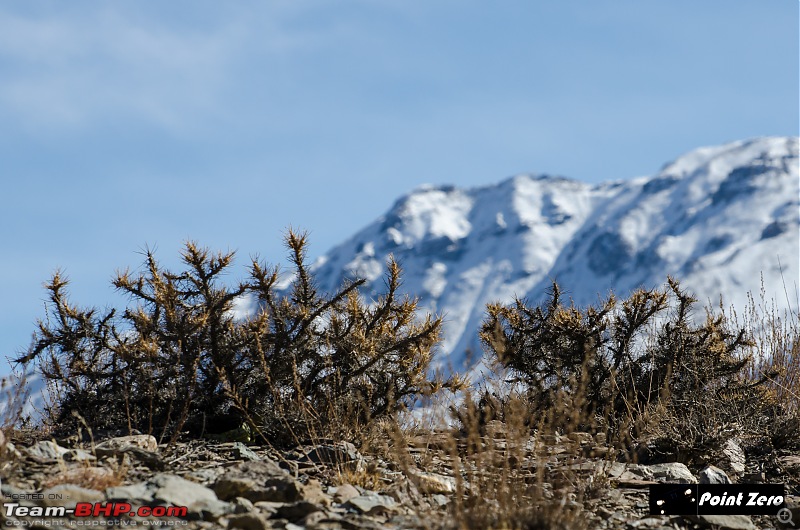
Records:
x=163, y=488
x=713, y=475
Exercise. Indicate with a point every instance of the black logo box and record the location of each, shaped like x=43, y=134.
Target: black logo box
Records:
x=716, y=499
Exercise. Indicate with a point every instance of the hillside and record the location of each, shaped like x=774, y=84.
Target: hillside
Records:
x=718, y=218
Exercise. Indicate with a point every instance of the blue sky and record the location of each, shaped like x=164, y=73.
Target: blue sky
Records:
x=125, y=124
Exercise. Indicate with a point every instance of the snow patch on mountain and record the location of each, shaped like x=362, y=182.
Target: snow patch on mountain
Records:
x=718, y=218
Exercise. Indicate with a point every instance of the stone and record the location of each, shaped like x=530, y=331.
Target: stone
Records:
x=635, y=483
x=142, y=447
x=440, y=500
x=268, y=507
x=316, y=518
x=47, y=451
x=68, y=495
x=582, y=438
x=432, y=482
x=248, y=521
x=790, y=462
x=171, y=489
x=241, y=452
x=242, y=505
x=343, y=455
x=263, y=480
x=635, y=472
x=374, y=504
x=344, y=493
x=9, y=451
x=734, y=460
x=713, y=475
x=121, y=443
x=78, y=455
x=296, y=511
x=312, y=491
x=672, y=472
x=725, y=522
x=647, y=522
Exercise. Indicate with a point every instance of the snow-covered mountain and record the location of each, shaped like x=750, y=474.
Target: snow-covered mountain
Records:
x=717, y=218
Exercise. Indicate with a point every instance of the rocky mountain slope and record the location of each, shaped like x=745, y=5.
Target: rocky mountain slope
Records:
x=718, y=218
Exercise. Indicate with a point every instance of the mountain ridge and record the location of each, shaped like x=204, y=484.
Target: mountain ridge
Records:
x=717, y=218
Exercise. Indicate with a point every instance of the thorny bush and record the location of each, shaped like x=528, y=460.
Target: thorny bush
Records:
x=628, y=367
x=179, y=358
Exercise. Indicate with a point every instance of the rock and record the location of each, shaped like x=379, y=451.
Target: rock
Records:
x=635, y=472
x=248, y=521
x=344, y=493
x=242, y=505
x=635, y=483
x=582, y=438
x=142, y=447
x=790, y=463
x=315, y=520
x=672, y=472
x=648, y=522
x=734, y=460
x=298, y=510
x=122, y=443
x=267, y=507
x=46, y=451
x=374, y=504
x=440, y=500
x=258, y=481
x=170, y=489
x=312, y=491
x=78, y=455
x=713, y=475
x=242, y=452
x=9, y=451
x=725, y=522
x=343, y=455
x=432, y=482
x=406, y=493
x=68, y=495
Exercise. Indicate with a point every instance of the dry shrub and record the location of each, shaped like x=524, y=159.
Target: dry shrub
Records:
x=775, y=351
x=509, y=474
x=305, y=365
x=12, y=390
x=641, y=368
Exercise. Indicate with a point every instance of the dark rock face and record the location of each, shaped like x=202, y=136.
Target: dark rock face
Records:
x=552, y=213
x=774, y=229
x=738, y=183
x=608, y=253
x=718, y=243
x=659, y=184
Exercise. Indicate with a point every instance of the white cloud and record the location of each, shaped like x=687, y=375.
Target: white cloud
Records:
x=72, y=70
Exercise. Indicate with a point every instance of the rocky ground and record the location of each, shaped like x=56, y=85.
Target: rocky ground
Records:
x=329, y=485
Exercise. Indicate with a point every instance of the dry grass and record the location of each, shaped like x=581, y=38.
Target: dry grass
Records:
x=90, y=477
